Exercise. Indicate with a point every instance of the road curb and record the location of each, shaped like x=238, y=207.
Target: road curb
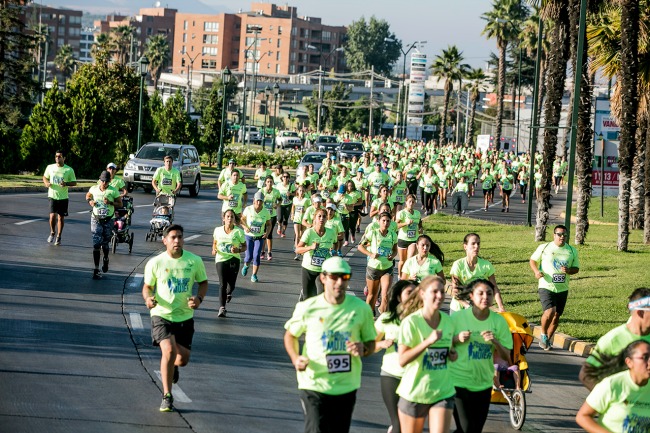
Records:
x=593, y=222
x=566, y=342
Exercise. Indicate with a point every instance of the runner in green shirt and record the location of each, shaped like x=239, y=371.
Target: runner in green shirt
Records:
x=428, y=260
x=409, y=223
x=234, y=195
x=506, y=183
x=425, y=350
x=167, y=179
x=300, y=203
x=287, y=191
x=58, y=178
x=256, y=222
x=116, y=182
x=272, y=199
x=315, y=245
x=228, y=242
x=167, y=292
x=338, y=330
x=487, y=182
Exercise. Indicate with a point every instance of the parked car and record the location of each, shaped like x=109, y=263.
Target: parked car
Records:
x=253, y=135
x=288, y=139
x=315, y=158
x=325, y=143
x=140, y=168
x=350, y=149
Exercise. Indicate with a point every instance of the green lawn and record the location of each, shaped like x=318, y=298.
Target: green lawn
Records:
x=15, y=180
x=611, y=210
x=598, y=294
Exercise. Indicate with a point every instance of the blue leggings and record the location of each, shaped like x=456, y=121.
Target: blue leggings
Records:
x=253, y=250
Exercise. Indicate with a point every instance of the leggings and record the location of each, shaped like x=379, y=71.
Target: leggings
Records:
x=389, y=386
x=284, y=215
x=345, y=220
x=274, y=219
x=352, y=224
x=311, y=284
x=227, y=272
x=422, y=194
x=471, y=409
x=412, y=186
x=253, y=250
x=429, y=197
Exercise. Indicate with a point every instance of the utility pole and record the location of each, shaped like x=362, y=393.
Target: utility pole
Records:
x=460, y=86
x=372, y=86
x=320, y=97
x=255, y=29
x=534, y=125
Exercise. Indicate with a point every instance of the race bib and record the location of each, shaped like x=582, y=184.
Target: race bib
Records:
x=225, y=248
x=298, y=213
x=235, y=200
x=339, y=363
x=166, y=181
x=412, y=229
x=102, y=211
x=437, y=356
x=399, y=198
x=285, y=199
x=410, y=175
x=319, y=256
x=268, y=205
x=384, y=252
x=342, y=207
x=559, y=278
x=256, y=228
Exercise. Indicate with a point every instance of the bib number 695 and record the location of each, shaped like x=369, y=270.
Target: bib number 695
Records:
x=338, y=363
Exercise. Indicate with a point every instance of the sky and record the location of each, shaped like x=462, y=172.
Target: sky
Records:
x=439, y=22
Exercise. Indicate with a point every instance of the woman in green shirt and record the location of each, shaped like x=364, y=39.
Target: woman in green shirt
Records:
x=300, y=203
x=428, y=260
x=315, y=244
x=387, y=327
x=287, y=191
x=409, y=224
x=380, y=246
x=228, y=242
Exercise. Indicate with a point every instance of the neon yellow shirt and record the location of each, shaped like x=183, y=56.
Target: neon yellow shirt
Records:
x=474, y=368
x=327, y=327
x=56, y=175
x=430, y=266
x=299, y=205
x=390, y=361
x=173, y=280
x=256, y=221
x=614, y=342
x=261, y=175
x=167, y=180
x=550, y=258
x=286, y=191
x=226, y=241
x=375, y=242
x=410, y=232
x=624, y=407
x=399, y=192
x=313, y=260
x=271, y=199
x=426, y=379
x=237, y=192
x=102, y=210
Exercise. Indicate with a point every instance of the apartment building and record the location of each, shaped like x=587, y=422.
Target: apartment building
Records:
x=86, y=45
x=63, y=27
x=272, y=39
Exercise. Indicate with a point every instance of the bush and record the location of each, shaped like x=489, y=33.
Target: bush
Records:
x=254, y=157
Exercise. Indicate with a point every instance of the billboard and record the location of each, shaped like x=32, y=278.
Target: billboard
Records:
x=605, y=177
x=416, y=96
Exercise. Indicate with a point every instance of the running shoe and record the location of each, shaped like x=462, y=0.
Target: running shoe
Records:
x=297, y=257
x=282, y=235
x=269, y=256
x=228, y=298
x=51, y=238
x=354, y=241
x=345, y=243
x=176, y=375
x=263, y=255
x=96, y=275
x=358, y=229
x=507, y=209
x=503, y=209
x=105, y=265
x=222, y=312
x=58, y=240
x=279, y=232
x=254, y=278
x=435, y=211
x=244, y=270
x=340, y=254
x=167, y=404
x=544, y=343
x=365, y=291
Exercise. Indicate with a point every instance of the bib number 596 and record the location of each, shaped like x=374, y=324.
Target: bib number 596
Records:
x=338, y=363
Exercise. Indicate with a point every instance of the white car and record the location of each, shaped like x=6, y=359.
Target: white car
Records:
x=252, y=135
x=288, y=139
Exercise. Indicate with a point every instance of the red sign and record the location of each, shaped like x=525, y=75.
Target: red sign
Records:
x=611, y=178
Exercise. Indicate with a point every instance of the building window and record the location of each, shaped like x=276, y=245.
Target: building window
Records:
x=270, y=41
x=277, y=69
x=183, y=62
x=292, y=69
x=327, y=36
x=185, y=25
x=279, y=30
x=292, y=57
x=184, y=37
x=278, y=42
x=61, y=19
x=268, y=66
x=211, y=26
x=210, y=39
x=294, y=43
x=183, y=49
x=60, y=42
x=271, y=27
x=208, y=64
x=294, y=31
x=149, y=31
x=277, y=56
x=209, y=51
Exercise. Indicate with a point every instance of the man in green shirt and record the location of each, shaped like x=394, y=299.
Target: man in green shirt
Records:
x=58, y=178
x=553, y=263
x=167, y=293
x=167, y=179
x=329, y=366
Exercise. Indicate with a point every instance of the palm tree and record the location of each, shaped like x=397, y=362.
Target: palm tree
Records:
x=477, y=78
x=503, y=23
x=447, y=66
x=157, y=51
x=102, y=48
x=528, y=37
x=558, y=56
x=65, y=61
x=122, y=37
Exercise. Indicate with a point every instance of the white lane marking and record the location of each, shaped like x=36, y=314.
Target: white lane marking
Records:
x=143, y=205
x=136, y=321
x=28, y=221
x=84, y=211
x=207, y=201
x=347, y=259
x=350, y=254
x=178, y=393
x=192, y=238
x=481, y=209
x=136, y=281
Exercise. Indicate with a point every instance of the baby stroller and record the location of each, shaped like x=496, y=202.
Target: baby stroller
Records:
x=522, y=338
x=161, y=217
x=122, y=225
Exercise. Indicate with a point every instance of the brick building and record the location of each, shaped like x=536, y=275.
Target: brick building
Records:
x=63, y=27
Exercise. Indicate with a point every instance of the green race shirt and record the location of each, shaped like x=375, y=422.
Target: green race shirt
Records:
x=313, y=260
x=167, y=180
x=255, y=221
x=327, y=327
x=173, y=280
x=614, y=342
x=335, y=224
x=102, y=210
x=430, y=266
x=376, y=180
x=390, y=361
x=382, y=245
x=237, y=201
x=474, y=368
x=624, y=407
x=261, y=175
x=225, y=242
x=299, y=205
x=118, y=183
x=488, y=181
x=426, y=379
x=271, y=199
x=550, y=258
x=286, y=191
x=399, y=192
x=56, y=175
x=409, y=232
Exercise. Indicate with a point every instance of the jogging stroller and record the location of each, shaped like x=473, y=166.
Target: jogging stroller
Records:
x=122, y=225
x=161, y=217
x=509, y=393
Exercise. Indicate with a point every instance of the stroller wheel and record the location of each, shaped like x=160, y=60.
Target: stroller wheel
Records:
x=518, y=409
x=114, y=243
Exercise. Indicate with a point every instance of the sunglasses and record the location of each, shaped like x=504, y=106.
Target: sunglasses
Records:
x=562, y=235
x=344, y=277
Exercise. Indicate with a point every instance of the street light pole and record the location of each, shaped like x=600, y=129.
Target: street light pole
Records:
x=460, y=86
x=534, y=122
x=190, y=67
x=320, y=97
x=276, y=93
x=518, y=102
x=372, y=85
x=267, y=93
x=225, y=78
x=255, y=30
x=143, y=69
x=602, y=174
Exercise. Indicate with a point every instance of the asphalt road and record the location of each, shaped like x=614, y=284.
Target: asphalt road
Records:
x=76, y=354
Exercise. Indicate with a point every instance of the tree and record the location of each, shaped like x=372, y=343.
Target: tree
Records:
x=448, y=67
x=18, y=86
x=177, y=126
x=211, y=119
x=335, y=106
x=477, y=78
x=528, y=40
x=503, y=24
x=65, y=61
x=122, y=40
x=365, y=46
x=558, y=56
x=102, y=48
x=157, y=51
